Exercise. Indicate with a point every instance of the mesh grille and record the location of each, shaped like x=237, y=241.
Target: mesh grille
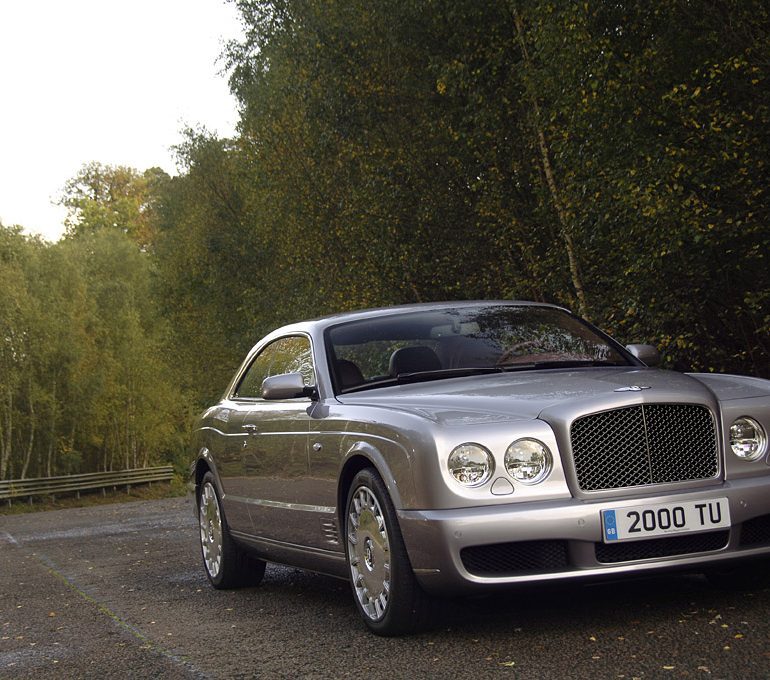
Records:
x=609, y=553
x=642, y=445
x=756, y=531
x=507, y=559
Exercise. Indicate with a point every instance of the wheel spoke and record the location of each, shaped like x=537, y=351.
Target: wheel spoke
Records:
x=354, y=520
x=210, y=530
x=369, y=552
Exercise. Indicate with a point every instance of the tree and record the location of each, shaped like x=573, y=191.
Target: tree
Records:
x=588, y=152
x=106, y=197
x=218, y=274
x=343, y=118
x=658, y=122
x=84, y=380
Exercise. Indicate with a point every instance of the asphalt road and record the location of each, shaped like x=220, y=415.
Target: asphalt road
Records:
x=118, y=591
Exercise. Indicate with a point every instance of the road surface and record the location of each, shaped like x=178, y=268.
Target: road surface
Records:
x=119, y=591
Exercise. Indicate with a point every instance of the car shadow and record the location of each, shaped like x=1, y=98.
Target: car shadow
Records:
x=542, y=607
x=610, y=604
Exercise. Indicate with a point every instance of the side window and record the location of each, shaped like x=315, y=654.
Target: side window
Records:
x=292, y=354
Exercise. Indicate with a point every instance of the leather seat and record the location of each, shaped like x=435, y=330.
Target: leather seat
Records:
x=413, y=360
x=348, y=374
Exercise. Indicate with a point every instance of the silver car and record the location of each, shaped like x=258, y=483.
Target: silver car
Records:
x=461, y=447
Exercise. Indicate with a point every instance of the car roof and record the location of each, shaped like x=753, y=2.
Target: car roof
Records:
x=321, y=323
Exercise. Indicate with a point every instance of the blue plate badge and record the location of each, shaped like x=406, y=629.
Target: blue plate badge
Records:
x=610, y=526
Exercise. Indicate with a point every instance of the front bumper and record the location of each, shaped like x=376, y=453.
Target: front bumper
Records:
x=475, y=549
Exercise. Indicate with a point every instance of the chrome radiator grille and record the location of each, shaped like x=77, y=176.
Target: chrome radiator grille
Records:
x=642, y=445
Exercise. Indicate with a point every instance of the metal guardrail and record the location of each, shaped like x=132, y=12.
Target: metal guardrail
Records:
x=92, y=481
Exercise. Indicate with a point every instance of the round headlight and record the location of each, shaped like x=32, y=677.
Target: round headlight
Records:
x=471, y=464
x=747, y=439
x=528, y=461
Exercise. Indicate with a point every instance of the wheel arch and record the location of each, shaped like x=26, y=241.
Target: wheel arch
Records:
x=202, y=465
x=363, y=455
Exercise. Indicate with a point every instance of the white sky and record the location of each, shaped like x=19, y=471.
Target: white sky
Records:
x=112, y=81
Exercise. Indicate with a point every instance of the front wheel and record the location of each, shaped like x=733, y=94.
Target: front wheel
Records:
x=227, y=564
x=385, y=590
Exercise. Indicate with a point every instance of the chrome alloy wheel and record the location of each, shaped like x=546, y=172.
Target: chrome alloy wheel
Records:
x=369, y=553
x=211, y=529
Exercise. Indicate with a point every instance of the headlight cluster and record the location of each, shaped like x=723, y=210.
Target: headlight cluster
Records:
x=748, y=439
x=471, y=464
x=527, y=461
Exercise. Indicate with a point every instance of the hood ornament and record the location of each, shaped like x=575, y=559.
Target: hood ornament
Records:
x=632, y=388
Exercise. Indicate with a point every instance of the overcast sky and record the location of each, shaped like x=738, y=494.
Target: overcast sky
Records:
x=102, y=80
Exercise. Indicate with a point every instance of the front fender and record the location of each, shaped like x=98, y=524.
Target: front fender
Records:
x=393, y=467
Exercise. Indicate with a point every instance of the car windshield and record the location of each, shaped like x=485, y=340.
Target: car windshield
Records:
x=450, y=342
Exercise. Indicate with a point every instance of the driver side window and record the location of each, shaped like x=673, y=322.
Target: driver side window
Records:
x=292, y=354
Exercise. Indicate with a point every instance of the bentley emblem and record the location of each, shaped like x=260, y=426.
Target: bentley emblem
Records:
x=633, y=388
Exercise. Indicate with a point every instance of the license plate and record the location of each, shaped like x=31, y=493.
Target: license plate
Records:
x=647, y=521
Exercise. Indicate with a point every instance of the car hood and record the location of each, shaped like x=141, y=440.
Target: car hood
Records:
x=732, y=387
x=533, y=394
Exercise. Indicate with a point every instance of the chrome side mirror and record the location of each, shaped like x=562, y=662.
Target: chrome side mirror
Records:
x=286, y=386
x=647, y=354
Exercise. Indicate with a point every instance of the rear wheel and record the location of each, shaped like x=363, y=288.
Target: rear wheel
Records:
x=227, y=564
x=385, y=590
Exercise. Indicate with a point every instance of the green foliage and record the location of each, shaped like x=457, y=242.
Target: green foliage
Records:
x=599, y=154
x=658, y=121
x=104, y=197
x=214, y=264
x=83, y=379
x=360, y=155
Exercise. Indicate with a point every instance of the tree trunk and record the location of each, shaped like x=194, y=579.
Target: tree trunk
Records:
x=32, y=426
x=6, y=433
x=30, y=446
x=52, y=433
x=565, y=226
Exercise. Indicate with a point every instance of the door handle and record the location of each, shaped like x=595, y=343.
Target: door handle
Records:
x=250, y=428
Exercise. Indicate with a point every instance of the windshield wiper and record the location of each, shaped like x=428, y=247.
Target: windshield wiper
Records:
x=422, y=376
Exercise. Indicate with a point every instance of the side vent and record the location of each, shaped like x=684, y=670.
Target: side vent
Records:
x=330, y=532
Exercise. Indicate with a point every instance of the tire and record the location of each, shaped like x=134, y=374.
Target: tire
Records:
x=227, y=565
x=385, y=589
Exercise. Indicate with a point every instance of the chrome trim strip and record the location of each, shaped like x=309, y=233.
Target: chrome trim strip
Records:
x=283, y=506
x=260, y=540
x=209, y=428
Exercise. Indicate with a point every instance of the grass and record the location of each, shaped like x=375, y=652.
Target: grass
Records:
x=144, y=492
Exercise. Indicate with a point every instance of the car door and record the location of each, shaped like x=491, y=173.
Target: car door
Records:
x=274, y=457
x=228, y=439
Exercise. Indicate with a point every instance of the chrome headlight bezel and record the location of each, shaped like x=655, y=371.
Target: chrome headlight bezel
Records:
x=520, y=457
x=471, y=465
x=745, y=446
